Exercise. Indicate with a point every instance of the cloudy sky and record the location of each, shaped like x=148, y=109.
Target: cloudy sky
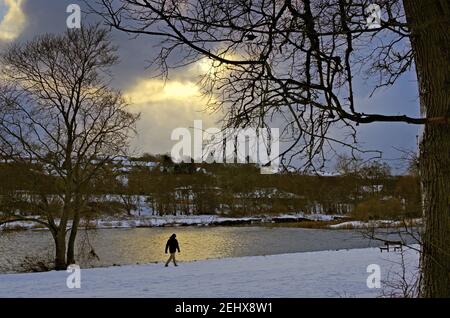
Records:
x=176, y=103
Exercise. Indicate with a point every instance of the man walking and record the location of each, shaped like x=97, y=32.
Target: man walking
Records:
x=172, y=246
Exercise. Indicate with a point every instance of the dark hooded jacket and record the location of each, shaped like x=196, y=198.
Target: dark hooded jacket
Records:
x=172, y=244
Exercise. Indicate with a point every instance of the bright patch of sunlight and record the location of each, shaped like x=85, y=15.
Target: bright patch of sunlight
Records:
x=156, y=90
x=213, y=67
x=12, y=19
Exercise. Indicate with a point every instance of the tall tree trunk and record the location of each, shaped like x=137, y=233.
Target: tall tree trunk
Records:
x=72, y=239
x=60, y=234
x=60, y=250
x=430, y=30
x=78, y=206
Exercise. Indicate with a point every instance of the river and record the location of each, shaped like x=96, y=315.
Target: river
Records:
x=146, y=245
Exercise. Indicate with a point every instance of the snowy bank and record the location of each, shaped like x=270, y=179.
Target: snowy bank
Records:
x=181, y=220
x=375, y=224
x=314, y=274
x=207, y=220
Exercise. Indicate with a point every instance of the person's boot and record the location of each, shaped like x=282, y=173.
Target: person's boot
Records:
x=166, y=265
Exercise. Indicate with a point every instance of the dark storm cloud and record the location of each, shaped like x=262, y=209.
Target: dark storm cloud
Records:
x=49, y=16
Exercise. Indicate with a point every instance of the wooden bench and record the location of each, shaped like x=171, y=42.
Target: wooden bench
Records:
x=395, y=245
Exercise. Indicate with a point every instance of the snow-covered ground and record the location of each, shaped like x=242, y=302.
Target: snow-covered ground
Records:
x=204, y=220
x=180, y=220
x=314, y=274
x=169, y=220
x=375, y=223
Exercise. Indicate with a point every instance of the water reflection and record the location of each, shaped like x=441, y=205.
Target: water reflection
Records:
x=147, y=245
x=144, y=245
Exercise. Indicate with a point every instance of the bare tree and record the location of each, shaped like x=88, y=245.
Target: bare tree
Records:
x=296, y=62
x=59, y=114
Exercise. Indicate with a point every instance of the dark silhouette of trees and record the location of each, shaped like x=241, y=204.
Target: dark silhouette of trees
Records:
x=59, y=114
x=296, y=61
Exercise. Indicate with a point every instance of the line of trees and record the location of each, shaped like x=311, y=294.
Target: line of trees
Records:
x=367, y=191
x=361, y=190
x=241, y=190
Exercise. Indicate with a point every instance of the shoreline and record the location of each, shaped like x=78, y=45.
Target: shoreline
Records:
x=300, y=220
x=182, y=221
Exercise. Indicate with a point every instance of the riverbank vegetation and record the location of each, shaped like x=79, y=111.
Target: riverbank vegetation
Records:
x=155, y=186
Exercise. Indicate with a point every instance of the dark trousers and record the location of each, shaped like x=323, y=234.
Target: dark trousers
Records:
x=171, y=258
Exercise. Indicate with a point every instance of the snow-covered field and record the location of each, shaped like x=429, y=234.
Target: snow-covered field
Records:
x=314, y=274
